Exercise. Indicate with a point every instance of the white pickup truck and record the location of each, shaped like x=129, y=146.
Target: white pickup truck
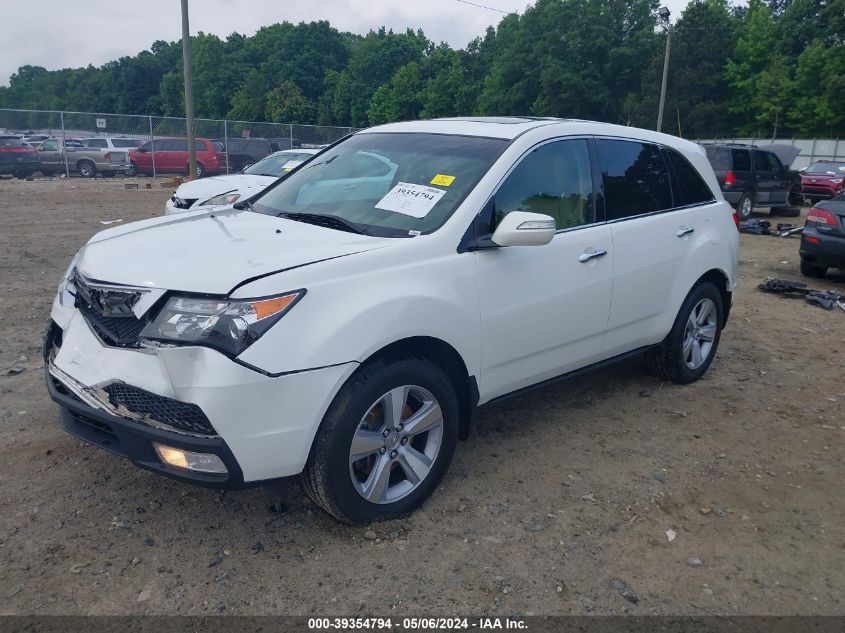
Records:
x=87, y=156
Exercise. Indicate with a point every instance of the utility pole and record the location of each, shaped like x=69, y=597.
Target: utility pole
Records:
x=189, y=95
x=664, y=19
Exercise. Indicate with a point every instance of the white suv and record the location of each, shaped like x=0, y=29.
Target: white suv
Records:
x=345, y=323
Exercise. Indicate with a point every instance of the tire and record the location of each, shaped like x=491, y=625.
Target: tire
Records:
x=86, y=168
x=339, y=484
x=745, y=205
x=670, y=360
x=132, y=170
x=200, y=170
x=23, y=174
x=812, y=270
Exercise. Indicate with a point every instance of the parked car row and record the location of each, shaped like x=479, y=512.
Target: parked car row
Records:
x=223, y=190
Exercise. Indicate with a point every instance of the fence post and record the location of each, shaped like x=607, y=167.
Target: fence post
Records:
x=64, y=144
x=152, y=147
x=813, y=152
x=290, y=135
x=226, y=142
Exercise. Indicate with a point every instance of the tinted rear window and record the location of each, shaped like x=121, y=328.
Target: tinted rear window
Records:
x=636, y=180
x=691, y=186
x=742, y=159
x=126, y=142
x=719, y=157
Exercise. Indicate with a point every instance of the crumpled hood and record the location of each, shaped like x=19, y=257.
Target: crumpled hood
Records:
x=204, y=188
x=212, y=252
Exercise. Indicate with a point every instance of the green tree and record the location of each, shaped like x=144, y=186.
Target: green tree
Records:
x=287, y=104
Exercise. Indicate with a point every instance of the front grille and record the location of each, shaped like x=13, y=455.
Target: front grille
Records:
x=122, y=331
x=184, y=416
x=109, y=312
x=183, y=203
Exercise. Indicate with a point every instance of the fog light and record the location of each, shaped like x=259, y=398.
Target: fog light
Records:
x=188, y=460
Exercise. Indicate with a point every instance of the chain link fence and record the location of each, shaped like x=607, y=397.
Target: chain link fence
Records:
x=88, y=144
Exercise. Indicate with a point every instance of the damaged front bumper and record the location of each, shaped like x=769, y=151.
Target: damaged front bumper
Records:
x=195, y=399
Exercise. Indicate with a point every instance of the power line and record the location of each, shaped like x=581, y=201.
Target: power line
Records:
x=482, y=6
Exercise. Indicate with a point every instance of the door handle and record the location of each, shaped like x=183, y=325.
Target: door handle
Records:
x=684, y=230
x=586, y=257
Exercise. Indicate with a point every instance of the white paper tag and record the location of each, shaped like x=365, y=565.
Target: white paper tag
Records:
x=410, y=199
x=291, y=164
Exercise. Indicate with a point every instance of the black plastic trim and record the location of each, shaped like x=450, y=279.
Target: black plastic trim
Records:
x=572, y=374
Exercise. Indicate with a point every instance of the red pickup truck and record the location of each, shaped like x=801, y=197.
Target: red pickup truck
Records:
x=170, y=156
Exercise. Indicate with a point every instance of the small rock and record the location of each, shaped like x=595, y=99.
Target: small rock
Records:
x=215, y=561
x=589, y=497
x=23, y=358
x=370, y=535
x=135, y=561
x=772, y=473
x=462, y=507
x=694, y=562
x=671, y=534
x=705, y=511
x=587, y=604
x=660, y=477
x=223, y=575
x=721, y=456
x=77, y=568
x=144, y=595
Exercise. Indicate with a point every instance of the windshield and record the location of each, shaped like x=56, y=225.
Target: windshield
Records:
x=827, y=168
x=387, y=183
x=278, y=164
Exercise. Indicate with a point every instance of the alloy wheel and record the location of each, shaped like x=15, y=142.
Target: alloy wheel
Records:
x=396, y=444
x=700, y=333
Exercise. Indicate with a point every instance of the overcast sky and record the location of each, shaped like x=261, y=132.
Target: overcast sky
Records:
x=65, y=34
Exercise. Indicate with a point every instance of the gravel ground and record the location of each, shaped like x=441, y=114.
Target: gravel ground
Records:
x=560, y=502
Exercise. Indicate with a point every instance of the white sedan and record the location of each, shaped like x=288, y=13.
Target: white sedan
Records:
x=204, y=193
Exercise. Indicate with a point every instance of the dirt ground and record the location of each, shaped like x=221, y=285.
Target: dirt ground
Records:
x=560, y=502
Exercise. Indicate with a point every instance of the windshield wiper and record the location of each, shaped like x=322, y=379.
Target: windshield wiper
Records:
x=244, y=204
x=327, y=221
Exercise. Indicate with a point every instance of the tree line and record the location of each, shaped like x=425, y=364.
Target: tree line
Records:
x=767, y=68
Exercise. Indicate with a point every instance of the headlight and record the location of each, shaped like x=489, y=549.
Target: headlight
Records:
x=224, y=198
x=226, y=325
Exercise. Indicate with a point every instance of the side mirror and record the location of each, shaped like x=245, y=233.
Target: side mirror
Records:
x=521, y=228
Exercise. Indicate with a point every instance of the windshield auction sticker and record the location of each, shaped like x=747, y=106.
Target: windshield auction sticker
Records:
x=410, y=199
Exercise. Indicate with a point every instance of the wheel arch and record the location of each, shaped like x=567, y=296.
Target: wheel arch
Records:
x=444, y=356
x=720, y=279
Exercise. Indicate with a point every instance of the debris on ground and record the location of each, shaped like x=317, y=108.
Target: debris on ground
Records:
x=111, y=221
x=827, y=299
x=755, y=227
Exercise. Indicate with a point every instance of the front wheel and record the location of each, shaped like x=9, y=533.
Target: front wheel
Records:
x=686, y=353
x=385, y=442
x=200, y=170
x=132, y=170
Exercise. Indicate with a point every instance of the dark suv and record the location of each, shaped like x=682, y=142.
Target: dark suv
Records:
x=753, y=177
